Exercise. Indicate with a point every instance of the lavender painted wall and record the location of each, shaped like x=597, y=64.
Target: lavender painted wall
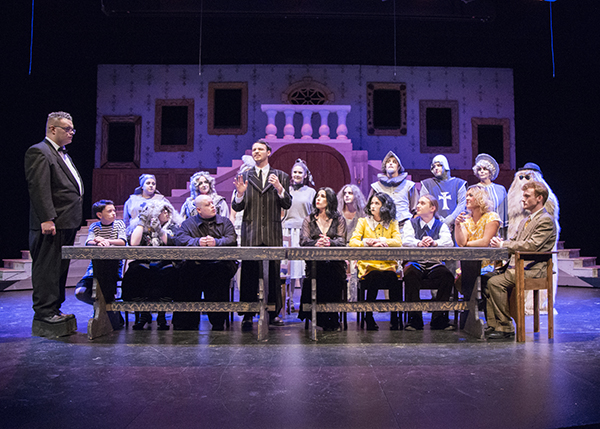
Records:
x=133, y=89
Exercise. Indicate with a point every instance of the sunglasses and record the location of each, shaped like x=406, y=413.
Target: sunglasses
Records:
x=526, y=177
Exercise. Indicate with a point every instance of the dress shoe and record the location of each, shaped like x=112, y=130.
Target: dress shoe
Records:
x=410, y=327
x=67, y=316
x=371, y=325
x=161, y=321
x=57, y=318
x=247, y=323
x=499, y=335
x=276, y=321
x=443, y=327
x=145, y=317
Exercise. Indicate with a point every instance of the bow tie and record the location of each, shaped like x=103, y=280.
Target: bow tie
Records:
x=63, y=150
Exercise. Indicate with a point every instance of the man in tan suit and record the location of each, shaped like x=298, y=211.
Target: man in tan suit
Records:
x=536, y=233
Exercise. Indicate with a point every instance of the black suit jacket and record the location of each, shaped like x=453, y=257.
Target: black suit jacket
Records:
x=261, y=223
x=53, y=191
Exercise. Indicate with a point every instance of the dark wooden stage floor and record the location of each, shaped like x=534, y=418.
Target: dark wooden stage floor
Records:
x=351, y=379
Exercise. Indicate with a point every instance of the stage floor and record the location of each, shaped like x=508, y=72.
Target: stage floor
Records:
x=349, y=379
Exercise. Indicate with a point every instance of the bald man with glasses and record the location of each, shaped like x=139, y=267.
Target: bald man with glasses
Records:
x=56, y=196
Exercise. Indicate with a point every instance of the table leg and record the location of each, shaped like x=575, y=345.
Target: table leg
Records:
x=313, y=301
x=474, y=325
x=99, y=325
x=263, y=298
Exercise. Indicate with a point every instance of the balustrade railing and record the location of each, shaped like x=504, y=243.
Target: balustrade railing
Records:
x=307, y=111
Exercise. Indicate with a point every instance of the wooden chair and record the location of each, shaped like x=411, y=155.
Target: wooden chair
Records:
x=517, y=298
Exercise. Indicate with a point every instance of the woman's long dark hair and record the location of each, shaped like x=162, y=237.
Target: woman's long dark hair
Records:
x=388, y=208
x=332, y=204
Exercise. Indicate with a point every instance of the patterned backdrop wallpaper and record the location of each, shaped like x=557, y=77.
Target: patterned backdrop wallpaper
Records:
x=133, y=89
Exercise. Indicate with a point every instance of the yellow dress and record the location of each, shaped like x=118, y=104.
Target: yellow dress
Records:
x=367, y=227
x=475, y=232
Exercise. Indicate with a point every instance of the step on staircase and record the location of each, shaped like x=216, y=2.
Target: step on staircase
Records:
x=16, y=274
x=575, y=270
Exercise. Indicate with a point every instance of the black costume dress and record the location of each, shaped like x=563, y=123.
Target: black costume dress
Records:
x=331, y=275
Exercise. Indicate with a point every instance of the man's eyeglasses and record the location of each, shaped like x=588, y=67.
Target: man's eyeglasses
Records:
x=526, y=177
x=66, y=129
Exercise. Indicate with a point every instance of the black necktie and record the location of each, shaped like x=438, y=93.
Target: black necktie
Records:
x=260, y=178
x=426, y=230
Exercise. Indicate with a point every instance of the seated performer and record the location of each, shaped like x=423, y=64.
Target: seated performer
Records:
x=202, y=183
x=141, y=196
x=108, y=231
x=378, y=229
x=324, y=227
x=152, y=280
x=206, y=229
x=535, y=233
x=475, y=229
x=426, y=230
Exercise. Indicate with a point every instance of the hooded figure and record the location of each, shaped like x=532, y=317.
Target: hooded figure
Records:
x=451, y=192
x=516, y=214
x=393, y=182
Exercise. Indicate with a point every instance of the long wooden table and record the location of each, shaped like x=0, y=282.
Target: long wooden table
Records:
x=100, y=324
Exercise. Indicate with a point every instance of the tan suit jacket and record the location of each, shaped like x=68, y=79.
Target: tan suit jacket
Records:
x=538, y=236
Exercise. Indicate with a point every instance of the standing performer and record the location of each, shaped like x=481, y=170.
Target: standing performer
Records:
x=55, y=191
x=392, y=181
x=486, y=169
x=302, y=198
x=262, y=192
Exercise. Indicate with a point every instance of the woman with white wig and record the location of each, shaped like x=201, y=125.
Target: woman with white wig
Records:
x=202, y=183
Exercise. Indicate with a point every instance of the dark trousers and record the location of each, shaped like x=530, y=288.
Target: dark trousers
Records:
x=196, y=278
x=420, y=276
x=249, y=284
x=331, y=281
x=49, y=271
x=376, y=280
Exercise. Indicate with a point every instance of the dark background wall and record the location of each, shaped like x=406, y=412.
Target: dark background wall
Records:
x=556, y=117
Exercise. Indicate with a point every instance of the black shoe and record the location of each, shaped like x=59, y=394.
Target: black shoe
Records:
x=247, y=323
x=145, y=317
x=444, y=326
x=161, y=321
x=276, y=321
x=372, y=325
x=67, y=316
x=499, y=335
x=57, y=318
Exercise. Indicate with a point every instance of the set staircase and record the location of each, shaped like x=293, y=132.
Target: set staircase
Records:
x=575, y=270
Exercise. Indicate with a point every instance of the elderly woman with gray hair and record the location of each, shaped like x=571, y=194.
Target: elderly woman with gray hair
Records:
x=486, y=169
x=202, y=183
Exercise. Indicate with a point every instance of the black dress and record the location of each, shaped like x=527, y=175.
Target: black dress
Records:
x=331, y=275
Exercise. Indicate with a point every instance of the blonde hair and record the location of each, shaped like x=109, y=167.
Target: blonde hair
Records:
x=482, y=198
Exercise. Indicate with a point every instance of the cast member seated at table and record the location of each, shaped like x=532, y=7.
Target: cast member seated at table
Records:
x=426, y=230
x=475, y=228
x=202, y=183
x=205, y=229
x=535, y=233
x=378, y=229
x=108, y=231
x=324, y=227
x=351, y=203
x=141, y=196
x=147, y=280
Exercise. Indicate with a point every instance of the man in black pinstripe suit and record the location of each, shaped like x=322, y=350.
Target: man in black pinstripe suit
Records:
x=261, y=192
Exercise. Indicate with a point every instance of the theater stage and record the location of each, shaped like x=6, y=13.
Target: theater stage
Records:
x=351, y=379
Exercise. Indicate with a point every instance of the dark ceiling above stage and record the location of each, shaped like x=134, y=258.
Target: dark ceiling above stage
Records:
x=453, y=10
x=427, y=32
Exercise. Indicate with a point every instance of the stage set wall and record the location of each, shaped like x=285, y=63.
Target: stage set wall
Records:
x=134, y=89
